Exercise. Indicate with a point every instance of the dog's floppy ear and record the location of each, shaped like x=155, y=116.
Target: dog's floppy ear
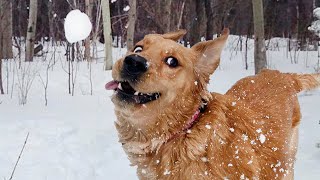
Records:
x=209, y=52
x=175, y=36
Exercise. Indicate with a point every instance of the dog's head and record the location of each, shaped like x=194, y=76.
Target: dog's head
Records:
x=158, y=72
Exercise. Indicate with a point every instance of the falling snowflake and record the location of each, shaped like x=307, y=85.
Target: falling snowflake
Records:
x=262, y=138
x=126, y=8
x=259, y=130
x=204, y=159
x=166, y=172
x=245, y=137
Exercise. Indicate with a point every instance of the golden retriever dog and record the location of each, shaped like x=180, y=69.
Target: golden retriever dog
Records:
x=171, y=127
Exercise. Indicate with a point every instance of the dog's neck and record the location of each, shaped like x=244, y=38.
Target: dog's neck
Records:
x=191, y=121
x=137, y=142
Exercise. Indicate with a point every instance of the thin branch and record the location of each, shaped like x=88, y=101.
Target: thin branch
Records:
x=15, y=166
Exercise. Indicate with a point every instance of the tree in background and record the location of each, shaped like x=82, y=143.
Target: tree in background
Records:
x=6, y=29
x=5, y=35
x=107, y=33
x=89, y=5
x=167, y=15
x=131, y=23
x=260, y=59
x=31, y=31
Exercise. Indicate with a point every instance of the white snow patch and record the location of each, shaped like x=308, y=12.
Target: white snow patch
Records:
x=244, y=137
x=262, y=138
x=127, y=8
x=208, y=126
x=166, y=172
x=259, y=130
x=278, y=164
x=253, y=142
x=233, y=103
x=242, y=176
x=204, y=159
x=281, y=170
x=231, y=129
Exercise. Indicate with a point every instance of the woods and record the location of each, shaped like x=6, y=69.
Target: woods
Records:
x=201, y=18
x=32, y=28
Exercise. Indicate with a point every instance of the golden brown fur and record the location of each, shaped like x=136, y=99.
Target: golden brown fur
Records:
x=249, y=132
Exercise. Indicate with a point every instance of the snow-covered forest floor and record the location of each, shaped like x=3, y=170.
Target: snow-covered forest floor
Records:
x=73, y=137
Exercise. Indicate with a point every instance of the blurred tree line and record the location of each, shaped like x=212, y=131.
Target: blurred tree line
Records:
x=202, y=18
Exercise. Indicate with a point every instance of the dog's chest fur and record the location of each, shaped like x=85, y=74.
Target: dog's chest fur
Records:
x=224, y=143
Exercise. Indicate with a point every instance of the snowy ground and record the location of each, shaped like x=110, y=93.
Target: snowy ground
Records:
x=74, y=138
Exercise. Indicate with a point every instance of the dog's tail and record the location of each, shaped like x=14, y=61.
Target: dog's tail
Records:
x=306, y=81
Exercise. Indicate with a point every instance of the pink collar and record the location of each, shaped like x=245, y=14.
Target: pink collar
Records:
x=190, y=122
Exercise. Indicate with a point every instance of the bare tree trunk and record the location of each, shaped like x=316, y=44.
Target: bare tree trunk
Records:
x=107, y=34
x=1, y=85
x=260, y=59
x=210, y=19
x=131, y=23
x=167, y=15
x=181, y=14
x=87, y=42
x=31, y=31
x=51, y=21
x=6, y=29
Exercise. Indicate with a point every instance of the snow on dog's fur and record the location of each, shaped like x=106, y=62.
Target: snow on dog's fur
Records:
x=249, y=132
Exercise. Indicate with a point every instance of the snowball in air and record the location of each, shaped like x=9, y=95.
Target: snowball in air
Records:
x=77, y=26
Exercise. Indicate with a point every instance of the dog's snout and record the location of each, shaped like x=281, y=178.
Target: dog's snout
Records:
x=134, y=65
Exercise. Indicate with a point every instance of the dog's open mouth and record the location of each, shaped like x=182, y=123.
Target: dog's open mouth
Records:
x=126, y=91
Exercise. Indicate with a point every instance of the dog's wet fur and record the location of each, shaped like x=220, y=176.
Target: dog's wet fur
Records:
x=249, y=132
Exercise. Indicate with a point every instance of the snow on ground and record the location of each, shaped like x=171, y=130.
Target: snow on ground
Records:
x=74, y=138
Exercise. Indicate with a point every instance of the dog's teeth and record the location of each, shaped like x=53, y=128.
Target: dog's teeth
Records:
x=136, y=93
x=119, y=86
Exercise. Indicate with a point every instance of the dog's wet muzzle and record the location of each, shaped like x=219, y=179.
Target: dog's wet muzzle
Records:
x=133, y=67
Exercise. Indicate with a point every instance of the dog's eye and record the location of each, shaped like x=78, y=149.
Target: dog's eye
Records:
x=171, y=62
x=137, y=49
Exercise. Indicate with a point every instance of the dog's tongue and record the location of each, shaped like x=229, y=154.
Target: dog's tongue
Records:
x=112, y=85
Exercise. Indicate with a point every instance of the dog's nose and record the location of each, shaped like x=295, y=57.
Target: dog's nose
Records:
x=135, y=65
